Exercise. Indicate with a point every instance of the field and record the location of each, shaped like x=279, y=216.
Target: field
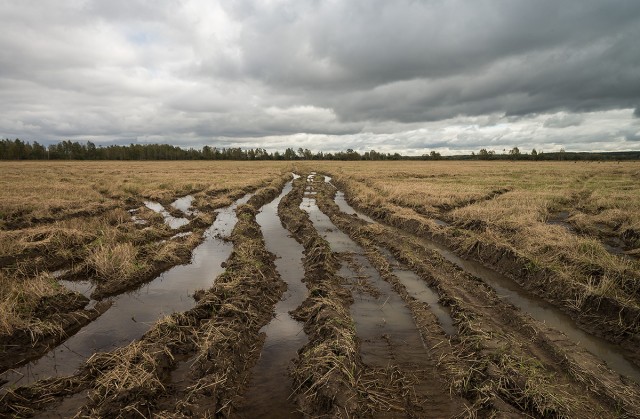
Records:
x=320, y=289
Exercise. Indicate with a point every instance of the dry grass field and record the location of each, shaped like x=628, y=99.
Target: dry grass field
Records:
x=567, y=233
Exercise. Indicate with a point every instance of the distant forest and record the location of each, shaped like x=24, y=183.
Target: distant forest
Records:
x=69, y=150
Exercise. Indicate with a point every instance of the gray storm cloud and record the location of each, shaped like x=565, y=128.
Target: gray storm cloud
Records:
x=406, y=75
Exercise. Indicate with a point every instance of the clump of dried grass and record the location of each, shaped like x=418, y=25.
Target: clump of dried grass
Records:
x=112, y=262
x=19, y=300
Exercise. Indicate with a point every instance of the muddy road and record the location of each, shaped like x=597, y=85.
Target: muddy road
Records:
x=308, y=307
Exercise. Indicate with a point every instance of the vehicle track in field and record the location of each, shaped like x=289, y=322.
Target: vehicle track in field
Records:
x=128, y=316
x=500, y=334
x=219, y=336
x=391, y=328
x=391, y=347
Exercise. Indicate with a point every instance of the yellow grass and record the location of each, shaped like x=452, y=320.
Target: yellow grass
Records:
x=76, y=215
x=602, y=201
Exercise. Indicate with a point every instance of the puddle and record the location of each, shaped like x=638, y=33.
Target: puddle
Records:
x=560, y=219
x=132, y=314
x=441, y=223
x=179, y=235
x=542, y=311
x=348, y=209
x=169, y=219
x=374, y=315
x=83, y=287
x=339, y=241
x=270, y=386
x=184, y=204
x=418, y=289
x=138, y=220
x=381, y=320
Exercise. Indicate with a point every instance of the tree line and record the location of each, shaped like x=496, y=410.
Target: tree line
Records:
x=71, y=150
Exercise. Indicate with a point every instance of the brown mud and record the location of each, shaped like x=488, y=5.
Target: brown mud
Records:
x=511, y=362
x=132, y=313
x=219, y=337
x=599, y=315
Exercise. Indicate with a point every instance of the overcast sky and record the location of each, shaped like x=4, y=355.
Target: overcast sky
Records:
x=396, y=76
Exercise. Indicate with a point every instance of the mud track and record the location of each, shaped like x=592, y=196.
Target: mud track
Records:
x=217, y=341
x=599, y=315
x=393, y=330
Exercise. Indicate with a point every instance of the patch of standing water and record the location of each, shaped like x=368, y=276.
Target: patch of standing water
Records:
x=184, y=204
x=348, y=209
x=132, y=314
x=418, y=289
x=82, y=287
x=542, y=311
x=270, y=386
x=169, y=219
x=379, y=312
x=340, y=242
x=387, y=332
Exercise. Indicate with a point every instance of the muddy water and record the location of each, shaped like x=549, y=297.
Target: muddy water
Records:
x=370, y=312
x=184, y=204
x=347, y=209
x=169, y=219
x=415, y=286
x=418, y=289
x=344, y=206
x=542, y=311
x=383, y=322
x=270, y=385
x=384, y=325
x=132, y=314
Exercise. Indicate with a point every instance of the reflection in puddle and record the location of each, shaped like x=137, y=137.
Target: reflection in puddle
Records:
x=169, y=219
x=184, y=204
x=348, y=209
x=542, y=311
x=380, y=315
x=419, y=290
x=132, y=314
x=270, y=385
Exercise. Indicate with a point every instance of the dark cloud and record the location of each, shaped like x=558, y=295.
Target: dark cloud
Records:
x=406, y=74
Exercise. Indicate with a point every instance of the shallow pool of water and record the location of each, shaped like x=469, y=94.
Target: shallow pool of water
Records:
x=270, y=387
x=170, y=220
x=184, y=204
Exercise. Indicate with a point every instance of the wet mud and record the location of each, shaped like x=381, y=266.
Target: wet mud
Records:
x=389, y=339
x=131, y=314
x=483, y=318
x=270, y=390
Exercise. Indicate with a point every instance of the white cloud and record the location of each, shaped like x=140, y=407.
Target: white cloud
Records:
x=453, y=76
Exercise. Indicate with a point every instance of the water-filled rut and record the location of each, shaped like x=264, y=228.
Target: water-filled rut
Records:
x=388, y=335
x=133, y=313
x=536, y=307
x=270, y=387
